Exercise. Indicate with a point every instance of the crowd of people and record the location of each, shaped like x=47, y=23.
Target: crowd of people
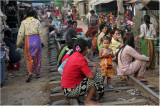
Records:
x=80, y=76
x=117, y=52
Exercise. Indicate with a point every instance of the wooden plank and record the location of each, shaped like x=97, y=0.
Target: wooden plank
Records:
x=127, y=102
x=145, y=90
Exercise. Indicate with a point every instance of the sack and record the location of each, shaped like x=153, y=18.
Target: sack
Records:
x=60, y=69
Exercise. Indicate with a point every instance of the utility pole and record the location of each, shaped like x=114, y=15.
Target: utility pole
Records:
x=120, y=12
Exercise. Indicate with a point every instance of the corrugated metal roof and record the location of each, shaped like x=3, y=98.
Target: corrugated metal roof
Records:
x=151, y=5
x=102, y=2
x=35, y=1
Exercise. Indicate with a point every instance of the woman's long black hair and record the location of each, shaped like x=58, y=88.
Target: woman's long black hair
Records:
x=32, y=13
x=128, y=39
x=147, y=20
x=81, y=43
x=101, y=27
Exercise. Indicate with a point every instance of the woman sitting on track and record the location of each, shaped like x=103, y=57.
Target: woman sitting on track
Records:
x=129, y=61
x=78, y=79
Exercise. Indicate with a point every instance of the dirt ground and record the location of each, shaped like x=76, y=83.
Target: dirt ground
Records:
x=152, y=77
x=16, y=91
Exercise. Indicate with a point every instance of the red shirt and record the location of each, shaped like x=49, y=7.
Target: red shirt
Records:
x=75, y=70
x=93, y=43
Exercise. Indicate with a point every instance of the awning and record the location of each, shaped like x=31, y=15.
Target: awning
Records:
x=37, y=4
x=133, y=1
x=151, y=5
x=102, y=2
x=26, y=5
x=35, y=1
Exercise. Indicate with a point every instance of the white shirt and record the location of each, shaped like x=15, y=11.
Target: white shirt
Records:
x=147, y=33
x=49, y=14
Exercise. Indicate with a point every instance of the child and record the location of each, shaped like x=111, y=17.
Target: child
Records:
x=14, y=56
x=95, y=33
x=106, y=55
x=115, y=43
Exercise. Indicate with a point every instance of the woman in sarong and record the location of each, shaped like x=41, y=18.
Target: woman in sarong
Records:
x=93, y=24
x=31, y=29
x=148, y=33
x=74, y=13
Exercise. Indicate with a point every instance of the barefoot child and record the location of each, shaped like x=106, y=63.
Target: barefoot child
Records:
x=106, y=55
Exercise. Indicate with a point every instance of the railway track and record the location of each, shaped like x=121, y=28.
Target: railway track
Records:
x=125, y=92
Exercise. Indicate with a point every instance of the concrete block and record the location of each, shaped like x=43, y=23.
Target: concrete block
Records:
x=56, y=90
x=53, y=69
x=60, y=102
x=56, y=78
x=53, y=84
x=53, y=74
x=56, y=97
x=53, y=63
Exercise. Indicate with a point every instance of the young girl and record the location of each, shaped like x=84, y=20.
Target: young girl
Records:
x=106, y=55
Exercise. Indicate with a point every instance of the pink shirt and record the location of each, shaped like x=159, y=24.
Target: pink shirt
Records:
x=125, y=59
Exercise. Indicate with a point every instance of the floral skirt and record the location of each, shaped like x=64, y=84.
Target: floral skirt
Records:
x=107, y=69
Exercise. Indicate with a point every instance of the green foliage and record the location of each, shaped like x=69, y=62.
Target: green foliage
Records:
x=61, y=2
x=69, y=1
x=58, y=2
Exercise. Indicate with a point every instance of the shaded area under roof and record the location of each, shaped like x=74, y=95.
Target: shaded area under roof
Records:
x=152, y=5
x=35, y=1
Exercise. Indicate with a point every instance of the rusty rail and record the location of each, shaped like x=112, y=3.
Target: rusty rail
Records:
x=147, y=92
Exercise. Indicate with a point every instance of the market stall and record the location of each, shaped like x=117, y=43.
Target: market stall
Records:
x=2, y=48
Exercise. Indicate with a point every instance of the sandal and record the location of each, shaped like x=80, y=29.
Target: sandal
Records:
x=109, y=86
x=38, y=76
x=29, y=78
x=141, y=79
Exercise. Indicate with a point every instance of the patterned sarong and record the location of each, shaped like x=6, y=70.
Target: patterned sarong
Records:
x=33, y=53
x=85, y=86
x=148, y=50
x=74, y=16
x=90, y=31
x=107, y=69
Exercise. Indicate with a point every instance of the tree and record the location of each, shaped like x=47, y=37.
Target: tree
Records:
x=58, y=2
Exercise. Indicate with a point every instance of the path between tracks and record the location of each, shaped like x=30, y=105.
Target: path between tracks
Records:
x=16, y=91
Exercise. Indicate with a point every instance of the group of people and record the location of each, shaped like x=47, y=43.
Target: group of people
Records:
x=34, y=32
x=80, y=75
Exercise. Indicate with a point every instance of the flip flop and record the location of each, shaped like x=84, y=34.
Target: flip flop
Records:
x=142, y=80
x=38, y=76
x=29, y=78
